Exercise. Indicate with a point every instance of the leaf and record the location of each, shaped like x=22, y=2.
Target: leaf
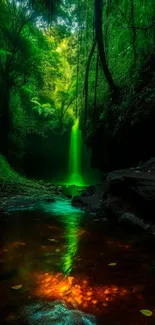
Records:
x=57, y=250
x=5, y=52
x=17, y=287
x=27, y=90
x=47, y=105
x=35, y=98
x=35, y=102
x=146, y=312
x=112, y=264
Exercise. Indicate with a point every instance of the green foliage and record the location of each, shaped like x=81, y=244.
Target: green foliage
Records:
x=129, y=40
x=7, y=174
x=44, y=52
x=3, y=52
x=36, y=78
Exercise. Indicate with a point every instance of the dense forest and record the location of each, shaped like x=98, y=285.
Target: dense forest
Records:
x=77, y=162
x=62, y=60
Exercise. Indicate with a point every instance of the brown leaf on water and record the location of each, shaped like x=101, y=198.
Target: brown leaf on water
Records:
x=53, y=240
x=17, y=243
x=17, y=287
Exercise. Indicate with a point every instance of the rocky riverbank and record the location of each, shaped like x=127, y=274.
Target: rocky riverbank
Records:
x=126, y=196
x=26, y=194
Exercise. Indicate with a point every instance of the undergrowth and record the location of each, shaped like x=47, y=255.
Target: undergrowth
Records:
x=7, y=174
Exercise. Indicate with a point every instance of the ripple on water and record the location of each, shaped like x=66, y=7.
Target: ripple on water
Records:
x=55, y=313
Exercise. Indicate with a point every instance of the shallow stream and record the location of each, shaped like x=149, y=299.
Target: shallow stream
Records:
x=60, y=266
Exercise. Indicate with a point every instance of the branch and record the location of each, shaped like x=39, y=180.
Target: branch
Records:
x=143, y=28
x=137, y=27
x=10, y=59
x=88, y=64
x=65, y=109
x=87, y=79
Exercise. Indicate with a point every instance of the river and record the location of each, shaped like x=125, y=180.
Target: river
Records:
x=61, y=266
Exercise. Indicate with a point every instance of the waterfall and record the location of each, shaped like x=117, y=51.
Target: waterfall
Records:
x=75, y=156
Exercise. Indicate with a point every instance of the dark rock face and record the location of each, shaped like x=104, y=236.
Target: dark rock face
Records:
x=131, y=219
x=126, y=197
x=112, y=205
x=90, y=199
x=90, y=191
x=131, y=191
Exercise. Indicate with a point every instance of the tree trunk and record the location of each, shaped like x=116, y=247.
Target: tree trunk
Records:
x=106, y=30
x=78, y=57
x=133, y=31
x=100, y=43
x=86, y=81
x=95, y=113
x=5, y=123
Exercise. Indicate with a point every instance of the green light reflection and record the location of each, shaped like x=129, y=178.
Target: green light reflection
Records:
x=70, y=218
x=72, y=237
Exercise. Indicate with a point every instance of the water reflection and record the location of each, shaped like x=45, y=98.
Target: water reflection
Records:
x=78, y=292
x=38, y=251
x=70, y=218
x=71, y=234
x=55, y=313
x=75, y=291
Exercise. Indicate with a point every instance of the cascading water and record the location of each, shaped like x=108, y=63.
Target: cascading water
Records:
x=75, y=156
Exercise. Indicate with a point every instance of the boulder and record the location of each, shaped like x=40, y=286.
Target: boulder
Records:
x=89, y=191
x=131, y=190
x=68, y=196
x=91, y=202
x=79, y=201
x=131, y=219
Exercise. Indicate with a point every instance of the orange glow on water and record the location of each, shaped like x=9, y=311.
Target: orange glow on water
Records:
x=76, y=292
x=118, y=244
x=17, y=244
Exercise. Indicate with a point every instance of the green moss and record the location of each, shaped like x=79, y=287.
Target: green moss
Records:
x=7, y=174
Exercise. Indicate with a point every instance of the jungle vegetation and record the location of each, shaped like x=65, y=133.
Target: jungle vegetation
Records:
x=61, y=59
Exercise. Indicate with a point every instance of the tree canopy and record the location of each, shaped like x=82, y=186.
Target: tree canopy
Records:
x=63, y=59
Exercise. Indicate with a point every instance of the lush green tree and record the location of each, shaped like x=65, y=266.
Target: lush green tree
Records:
x=36, y=78
x=63, y=59
x=19, y=57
